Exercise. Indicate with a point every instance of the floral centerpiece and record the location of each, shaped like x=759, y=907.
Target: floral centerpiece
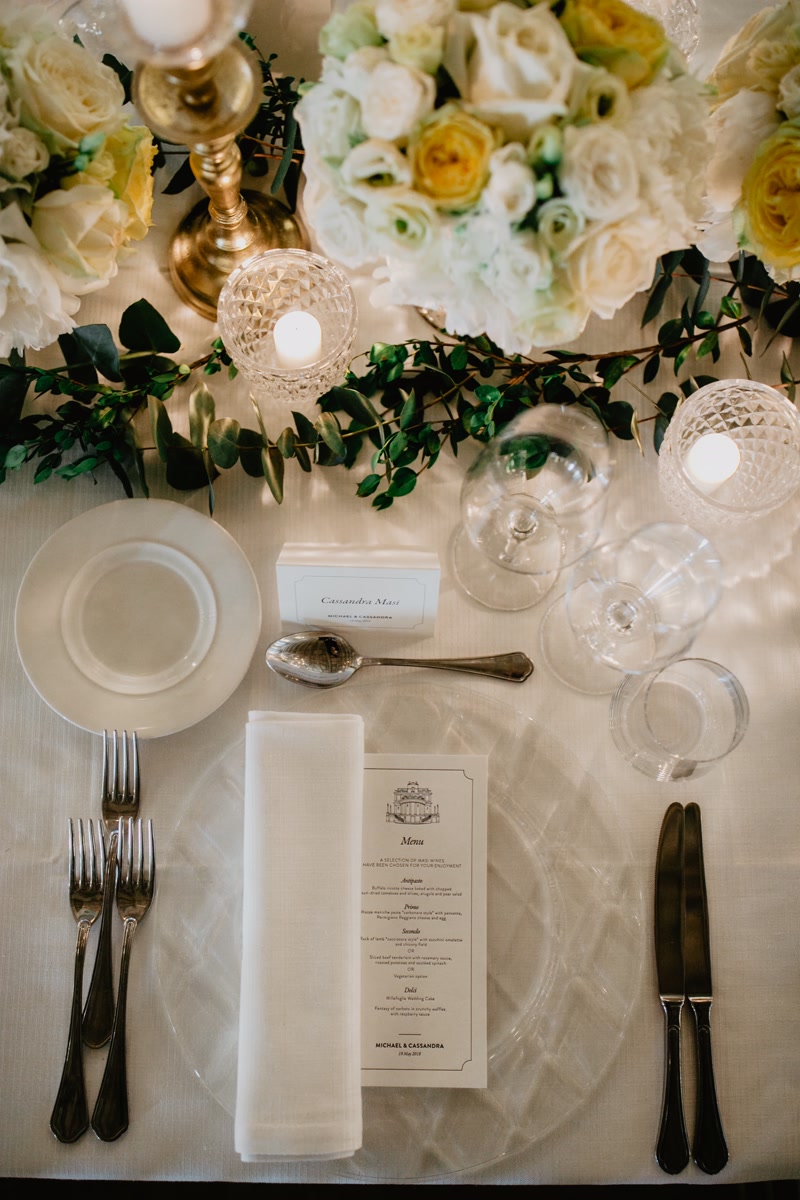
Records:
x=514, y=167
x=754, y=174
x=75, y=177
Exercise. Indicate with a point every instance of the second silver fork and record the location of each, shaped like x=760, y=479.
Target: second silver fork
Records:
x=120, y=798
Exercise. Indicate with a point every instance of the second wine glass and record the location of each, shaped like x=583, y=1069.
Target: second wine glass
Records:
x=532, y=502
x=631, y=606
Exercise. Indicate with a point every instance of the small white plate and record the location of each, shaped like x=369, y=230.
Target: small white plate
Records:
x=139, y=614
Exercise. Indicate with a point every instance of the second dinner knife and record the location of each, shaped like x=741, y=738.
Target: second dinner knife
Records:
x=672, y=1150
x=709, y=1149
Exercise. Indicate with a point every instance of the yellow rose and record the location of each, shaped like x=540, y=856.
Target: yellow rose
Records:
x=450, y=158
x=770, y=205
x=124, y=164
x=611, y=34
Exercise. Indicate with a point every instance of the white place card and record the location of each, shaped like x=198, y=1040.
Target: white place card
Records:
x=391, y=588
x=423, y=921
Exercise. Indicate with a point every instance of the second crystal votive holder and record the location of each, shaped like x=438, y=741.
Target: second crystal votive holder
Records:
x=268, y=287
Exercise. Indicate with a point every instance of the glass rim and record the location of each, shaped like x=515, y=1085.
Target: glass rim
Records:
x=735, y=691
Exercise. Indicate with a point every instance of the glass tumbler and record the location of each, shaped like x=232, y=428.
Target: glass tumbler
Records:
x=678, y=722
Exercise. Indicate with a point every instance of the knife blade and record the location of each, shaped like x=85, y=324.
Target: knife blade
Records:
x=709, y=1149
x=672, y=1149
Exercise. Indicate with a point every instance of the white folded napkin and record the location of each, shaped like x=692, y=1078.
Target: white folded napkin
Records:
x=299, y=1073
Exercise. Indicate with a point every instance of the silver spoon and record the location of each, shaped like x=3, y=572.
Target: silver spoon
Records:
x=319, y=659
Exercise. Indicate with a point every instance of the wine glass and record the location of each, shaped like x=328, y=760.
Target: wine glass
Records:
x=631, y=606
x=533, y=501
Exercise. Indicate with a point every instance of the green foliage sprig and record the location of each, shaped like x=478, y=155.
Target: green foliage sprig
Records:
x=405, y=404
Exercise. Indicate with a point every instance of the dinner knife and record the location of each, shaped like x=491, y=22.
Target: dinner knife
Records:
x=672, y=1149
x=709, y=1149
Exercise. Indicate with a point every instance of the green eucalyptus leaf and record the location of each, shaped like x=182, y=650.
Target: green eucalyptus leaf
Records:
x=223, y=439
x=273, y=468
x=98, y=348
x=403, y=482
x=161, y=426
x=305, y=430
x=187, y=468
x=287, y=443
x=251, y=444
x=618, y=416
x=143, y=328
x=369, y=484
x=13, y=390
x=350, y=401
x=330, y=431
x=201, y=414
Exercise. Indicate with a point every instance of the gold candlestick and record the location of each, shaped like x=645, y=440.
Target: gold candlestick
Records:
x=205, y=106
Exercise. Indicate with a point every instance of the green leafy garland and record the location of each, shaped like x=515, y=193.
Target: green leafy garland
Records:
x=408, y=402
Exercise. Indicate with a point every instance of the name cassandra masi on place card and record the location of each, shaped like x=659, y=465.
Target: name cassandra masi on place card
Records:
x=423, y=921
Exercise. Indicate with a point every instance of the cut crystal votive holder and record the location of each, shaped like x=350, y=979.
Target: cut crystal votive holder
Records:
x=267, y=287
x=759, y=423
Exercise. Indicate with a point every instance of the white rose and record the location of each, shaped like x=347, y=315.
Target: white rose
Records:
x=34, y=310
x=557, y=316
x=338, y=223
x=328, y=120
x=65, y=93
x=375, y=165
x=510, y=192
x=789, y=93
x=81, y=231
x=404, y=219
x=559, y=225
x=609, y=265
x=395, y=100
x=519, y=267
x=22, y=153
x=521, y=69
x=398, y=16
x=353, y=75
x=598, y=173
x=422, y=47
x=768, y=34
x=350, y=30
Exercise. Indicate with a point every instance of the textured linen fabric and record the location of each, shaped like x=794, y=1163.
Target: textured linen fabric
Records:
x=299, y=1075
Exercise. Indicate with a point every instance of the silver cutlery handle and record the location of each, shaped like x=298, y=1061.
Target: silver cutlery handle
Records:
x=98, y=1013
x=709, y=1149
x=672, y=1150
x=110, y=1115
x=70, y=1116
x=516, y=667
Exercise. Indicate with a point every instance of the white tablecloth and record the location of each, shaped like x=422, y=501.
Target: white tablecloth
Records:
x=49, y=770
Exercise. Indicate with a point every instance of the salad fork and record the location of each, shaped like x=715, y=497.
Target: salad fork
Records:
x=120, y=798
x=70, y=1116
x=135, y=886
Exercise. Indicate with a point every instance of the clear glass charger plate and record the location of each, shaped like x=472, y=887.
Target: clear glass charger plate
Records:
x=565, y=932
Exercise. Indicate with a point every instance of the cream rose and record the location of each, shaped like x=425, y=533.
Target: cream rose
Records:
x=607, y=266
x=598, y=173
x=597, y=95
x=330, y=121
x=65, y=94
x=421, y=47
x=520, y=72
x=559, y=225
x=350, y=30
x=353, y=75
x=374, y=166
x=399, y=16
x=404, y=219
x=511, y=189
x=745, y=56
x=81, y=231
x=395, y=100
x=34, y=310
x=22, y=153
x=338, y=222
x=789, y=93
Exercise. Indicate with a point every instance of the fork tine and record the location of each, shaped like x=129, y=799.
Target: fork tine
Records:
x=104, y=784
x=134, y=785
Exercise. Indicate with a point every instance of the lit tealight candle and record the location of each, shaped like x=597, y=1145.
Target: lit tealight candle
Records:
x=167, y=23
x=711, y=460
x=298, y=340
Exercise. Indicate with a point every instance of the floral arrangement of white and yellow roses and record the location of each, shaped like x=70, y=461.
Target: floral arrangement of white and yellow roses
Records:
x=75, y=177
x=514, y=166
x=754, y=174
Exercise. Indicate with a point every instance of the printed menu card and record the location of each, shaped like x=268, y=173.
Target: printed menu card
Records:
x=423, y=921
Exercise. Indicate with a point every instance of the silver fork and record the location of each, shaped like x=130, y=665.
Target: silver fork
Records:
x=70, y=1116
x=135, y=886
x=120, y=798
